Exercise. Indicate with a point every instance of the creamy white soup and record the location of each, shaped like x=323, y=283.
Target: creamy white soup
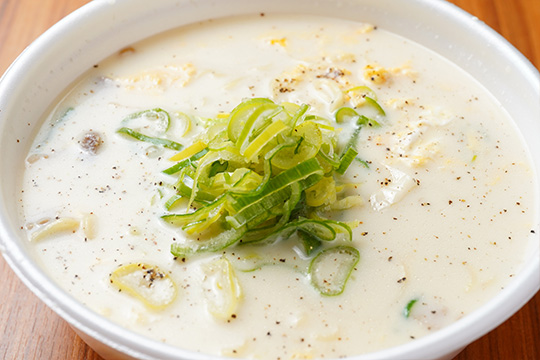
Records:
x=439, y=193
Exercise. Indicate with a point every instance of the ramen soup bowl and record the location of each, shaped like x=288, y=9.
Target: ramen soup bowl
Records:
x=367, y=60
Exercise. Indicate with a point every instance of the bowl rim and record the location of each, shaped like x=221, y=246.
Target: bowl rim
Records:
x=123, y=340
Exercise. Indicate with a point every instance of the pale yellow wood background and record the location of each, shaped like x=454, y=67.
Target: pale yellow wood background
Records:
x=29, y=330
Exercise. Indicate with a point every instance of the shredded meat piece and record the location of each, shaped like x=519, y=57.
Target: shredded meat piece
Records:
x=91, y=142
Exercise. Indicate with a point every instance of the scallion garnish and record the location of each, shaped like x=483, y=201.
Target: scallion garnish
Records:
x=153, y=140
x=407, y=309
x=331, y=268
x=265, y=174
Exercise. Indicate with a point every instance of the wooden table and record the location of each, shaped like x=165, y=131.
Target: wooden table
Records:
x=30, y=330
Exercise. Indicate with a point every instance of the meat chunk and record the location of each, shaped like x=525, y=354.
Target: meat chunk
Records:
x=91, y=142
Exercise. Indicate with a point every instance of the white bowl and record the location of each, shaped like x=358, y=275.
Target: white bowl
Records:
x=102, y=27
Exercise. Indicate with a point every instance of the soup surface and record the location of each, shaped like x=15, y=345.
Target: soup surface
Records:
x=445, y=193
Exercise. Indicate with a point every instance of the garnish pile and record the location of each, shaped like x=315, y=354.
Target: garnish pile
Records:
x=261, y=174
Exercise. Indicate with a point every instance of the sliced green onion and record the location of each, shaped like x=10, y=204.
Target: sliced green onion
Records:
x=407, y=309
x=298, y=115
x=341, y=229
x=309, y=242
x=256, y=122
x=218, y=167
x=365, y=90
x=346, y=160
x=172, y=201
x=153, y=140
x=200, y=214
x=346, y=115
x=331, y=268
x=185, y=191
x=269, y=133
x=182, y=164
x=298, y=173
x=321, y=230
x=201, y=176
x=157, y=121
x=373, y=103
x=361, y=121
x=225, y=239
x=308, y=139
x=262, y=233
x=240, y=115
x=189, y=151
x=62, y=117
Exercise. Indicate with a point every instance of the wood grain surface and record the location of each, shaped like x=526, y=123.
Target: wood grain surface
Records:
x=30, y=330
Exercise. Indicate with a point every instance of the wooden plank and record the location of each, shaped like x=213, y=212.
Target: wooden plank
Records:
x=30, y=330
